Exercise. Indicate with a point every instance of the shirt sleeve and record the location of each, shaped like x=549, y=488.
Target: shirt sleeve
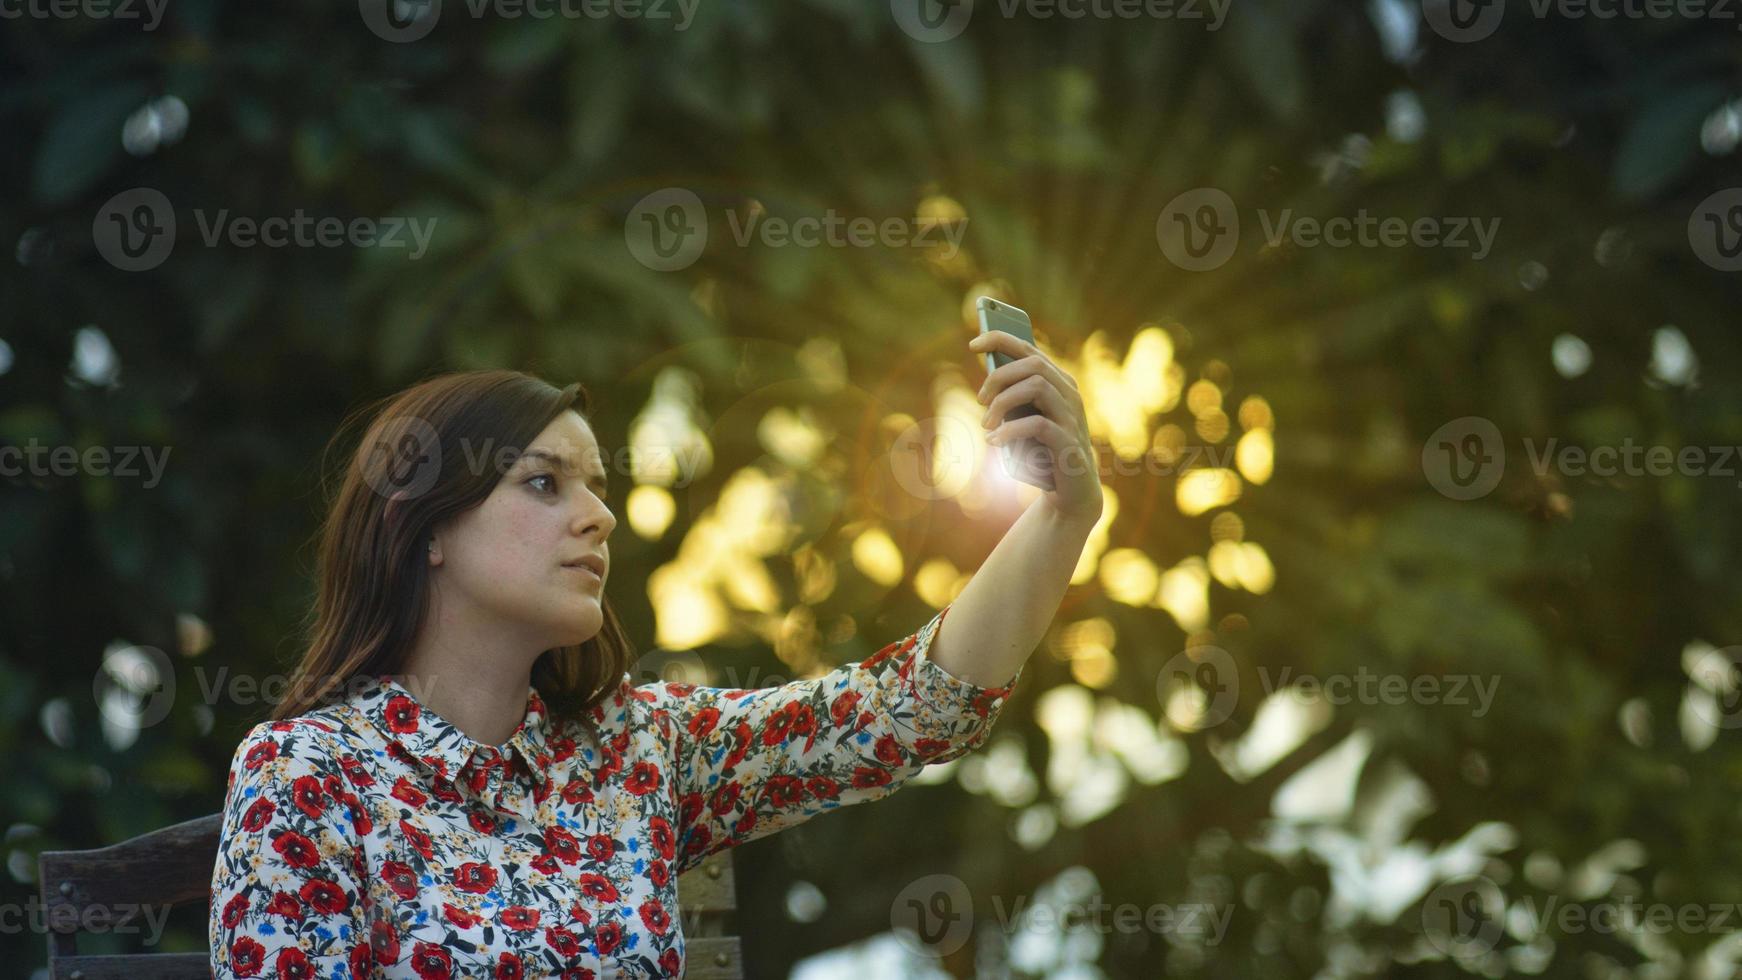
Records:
x=747, y=763
x=286, y=898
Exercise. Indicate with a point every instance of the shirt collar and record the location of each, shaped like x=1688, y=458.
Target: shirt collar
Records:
x=431, y=740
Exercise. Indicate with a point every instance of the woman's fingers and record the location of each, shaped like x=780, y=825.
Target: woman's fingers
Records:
x=1028, y=360
x=1038, y=427
x=1035, y=390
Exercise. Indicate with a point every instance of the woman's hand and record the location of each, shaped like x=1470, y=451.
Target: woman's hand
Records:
x=1062, y=425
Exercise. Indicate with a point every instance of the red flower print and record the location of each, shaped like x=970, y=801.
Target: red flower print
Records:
x=417, y=839
x=360, y=821
x=655, y=917
x=697, y=841
x=446, y=793
x=306, y=794
x=925, y=748
x=561, y=749
x=663, y=838
x=739, y=748
x=703, y=722
x=659, y=874
x=407, y=793
x=234, y=909
x=545, y=864
x=325, y=897
x=610, y=765
x=459, y=916
x=562, y=845
x=579, y=973
x=888, y=751
x=400, y=878
x=509, y=967
x=402, y=715
x=725, y=798
x=822, y=787
x=384, y=941
x=779, y=724
x=643, y=779
x=576, y=792
x=689, y=808
x=285, y=906
x=579, y=914
x=600, y=847
x=355, y=772
x=563, y=941
x=474, y=877
x=670, y=963
x=784, y=791
x=864, y=778
x=247, y=957
x=293, y=964
x=259, y=815
x=260, y=754
x=746, y=824
x=608, y=937
x=598, y=888
x=541, y=790
x=297, y=850
x=482, y=822
x=520, y=918
x=841, y=711
x=359, y=960
x=432, y=962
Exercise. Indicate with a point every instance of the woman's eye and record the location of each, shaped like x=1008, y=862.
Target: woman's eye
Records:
x=549, y=482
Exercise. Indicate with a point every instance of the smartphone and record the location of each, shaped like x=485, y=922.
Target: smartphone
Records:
x=1025, y=459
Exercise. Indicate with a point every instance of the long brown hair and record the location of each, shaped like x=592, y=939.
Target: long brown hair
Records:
x=428, y=454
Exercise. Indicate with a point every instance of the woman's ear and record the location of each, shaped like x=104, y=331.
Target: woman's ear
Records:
x=435, y=551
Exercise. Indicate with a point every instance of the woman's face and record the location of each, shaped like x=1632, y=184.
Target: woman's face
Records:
x=514, y=559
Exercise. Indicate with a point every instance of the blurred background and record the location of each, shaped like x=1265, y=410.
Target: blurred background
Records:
x=1407, y=333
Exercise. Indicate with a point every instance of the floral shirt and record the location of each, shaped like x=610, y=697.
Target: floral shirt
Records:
x=370, y=838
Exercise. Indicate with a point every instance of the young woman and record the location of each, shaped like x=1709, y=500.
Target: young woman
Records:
x=463, y=782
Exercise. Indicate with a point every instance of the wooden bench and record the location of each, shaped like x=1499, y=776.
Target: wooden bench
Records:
x=174, y=866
